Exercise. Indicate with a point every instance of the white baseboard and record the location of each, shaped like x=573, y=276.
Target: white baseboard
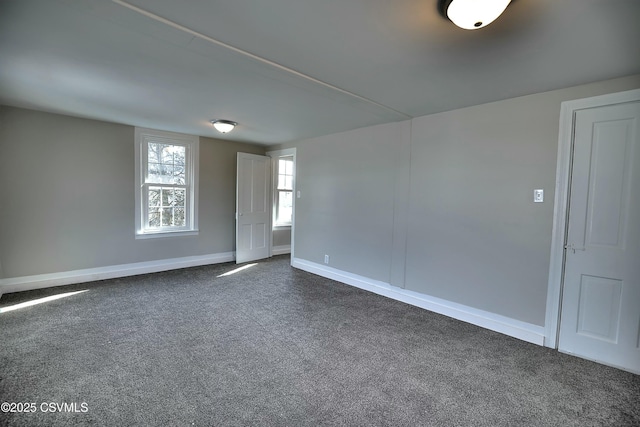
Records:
x=281, y=250
x=495, y=322
x=27, y=283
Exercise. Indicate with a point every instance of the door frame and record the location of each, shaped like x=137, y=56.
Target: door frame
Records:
x=568, y=111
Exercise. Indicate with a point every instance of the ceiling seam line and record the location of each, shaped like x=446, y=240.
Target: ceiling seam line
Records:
x=253, y=56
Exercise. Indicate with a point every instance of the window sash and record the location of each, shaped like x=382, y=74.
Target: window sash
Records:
x=279, y=221
x=285, y=174
x=148, y=208
x=187, y=163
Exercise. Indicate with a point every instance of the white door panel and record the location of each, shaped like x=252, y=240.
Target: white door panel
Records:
x=600, y=317
x=253, y=213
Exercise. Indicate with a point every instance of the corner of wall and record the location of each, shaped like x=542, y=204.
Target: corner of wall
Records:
x=401, y=206
x=512, y=327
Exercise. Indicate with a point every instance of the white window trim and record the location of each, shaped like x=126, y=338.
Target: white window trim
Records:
x=275, y=156
x=142, y=137
x=276, y=192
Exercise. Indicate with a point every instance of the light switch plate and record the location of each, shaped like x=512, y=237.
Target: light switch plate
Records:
x=538, y=196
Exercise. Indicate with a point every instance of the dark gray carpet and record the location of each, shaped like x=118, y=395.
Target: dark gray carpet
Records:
x=272, y=345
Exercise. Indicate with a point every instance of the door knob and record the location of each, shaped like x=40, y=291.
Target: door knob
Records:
x=574, y=248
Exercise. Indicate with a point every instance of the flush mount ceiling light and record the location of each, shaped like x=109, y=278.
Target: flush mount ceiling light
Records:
x=473, y=14
x=223, y=126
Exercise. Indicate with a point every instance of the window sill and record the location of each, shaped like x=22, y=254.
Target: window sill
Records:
x=282, y=227
x=160, y=234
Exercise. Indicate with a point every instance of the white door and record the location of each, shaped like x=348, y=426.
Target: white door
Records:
x=253, y=207
x=600, y=317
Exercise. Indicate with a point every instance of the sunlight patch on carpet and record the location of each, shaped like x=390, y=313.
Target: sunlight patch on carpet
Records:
x=38, y=301
x=237, y=270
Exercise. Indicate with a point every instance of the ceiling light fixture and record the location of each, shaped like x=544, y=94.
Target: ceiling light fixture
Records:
x=224, y=126
x=473, y=14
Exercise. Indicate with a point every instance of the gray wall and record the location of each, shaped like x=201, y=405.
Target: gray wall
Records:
x=282, y=237
x=346, y=209
x=458, y=196
x=68, y=196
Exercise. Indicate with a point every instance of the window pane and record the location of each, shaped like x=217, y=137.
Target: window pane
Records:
x=178, y=218
x=285, y=206
x=288, y=183
x=288, y=167
x=178, y=175
x=167, y=217
x=154, y=217
x=178, y=164
x=178, y=155
x=284, y=217
x=154, y=196
x=167, y=154
x=280, y=181
x=179, y=197
x=153, y=172
x=160, y=173
x=167, y=196
x=286, y=201
x=154, y=152
x=166, y=174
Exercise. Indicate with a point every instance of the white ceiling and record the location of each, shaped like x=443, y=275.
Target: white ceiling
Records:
x=293, y=69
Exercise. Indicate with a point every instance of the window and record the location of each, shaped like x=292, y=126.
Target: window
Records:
x=284, y=191
x=166, y=183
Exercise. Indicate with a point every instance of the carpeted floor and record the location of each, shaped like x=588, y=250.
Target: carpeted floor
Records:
x=275, y=346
